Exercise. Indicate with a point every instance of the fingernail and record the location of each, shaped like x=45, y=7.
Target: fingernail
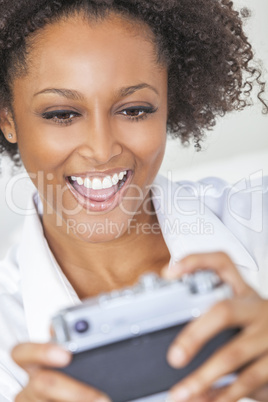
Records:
x=181, y=394
x=177, y=266
x=165, y=271
x=177, y=355
x=172, y=271
x=169, y=398
x=102, y=399
x=58, y=356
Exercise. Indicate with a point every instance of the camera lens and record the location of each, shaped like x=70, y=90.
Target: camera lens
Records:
x=81, y=326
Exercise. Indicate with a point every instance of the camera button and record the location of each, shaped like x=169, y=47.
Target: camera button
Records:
x=149, y=281
x=104, y=298
x=115, y=294
x=195, y=312
x=127, y=292
x=135, y=329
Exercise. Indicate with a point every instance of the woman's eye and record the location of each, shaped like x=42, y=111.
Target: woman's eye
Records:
x=138, y=113
x=64, y=117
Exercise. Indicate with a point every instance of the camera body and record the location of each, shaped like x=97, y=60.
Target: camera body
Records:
x=120, y=339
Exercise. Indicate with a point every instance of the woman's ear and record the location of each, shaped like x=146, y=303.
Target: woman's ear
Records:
x=7, y=125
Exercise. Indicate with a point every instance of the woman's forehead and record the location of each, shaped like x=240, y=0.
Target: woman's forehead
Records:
x=110, y=37
x=83, y=55
x=79, y=26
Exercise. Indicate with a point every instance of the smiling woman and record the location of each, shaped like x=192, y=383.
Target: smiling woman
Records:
x=86, y=131
x=88, y=92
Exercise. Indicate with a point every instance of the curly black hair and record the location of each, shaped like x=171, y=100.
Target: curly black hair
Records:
x=202, y=42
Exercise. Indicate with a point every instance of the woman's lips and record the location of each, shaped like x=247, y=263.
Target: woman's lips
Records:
x=101, y=199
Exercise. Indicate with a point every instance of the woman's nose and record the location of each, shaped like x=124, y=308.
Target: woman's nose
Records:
x=100, y=142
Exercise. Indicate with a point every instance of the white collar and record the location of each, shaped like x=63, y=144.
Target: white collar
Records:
x=200, y=229
x=45, y=289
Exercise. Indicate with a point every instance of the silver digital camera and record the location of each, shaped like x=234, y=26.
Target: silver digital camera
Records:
x=119, y=340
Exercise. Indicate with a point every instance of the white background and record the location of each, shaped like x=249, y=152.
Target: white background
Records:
x=237, y=148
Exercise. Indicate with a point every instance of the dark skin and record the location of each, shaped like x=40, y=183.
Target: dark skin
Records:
x=99, y=137
x=100, y=277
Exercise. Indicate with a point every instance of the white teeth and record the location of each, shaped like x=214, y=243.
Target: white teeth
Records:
x=96, y=184
x=115, y=179
x=107, y=182
x=87, y=183
x=80, y=181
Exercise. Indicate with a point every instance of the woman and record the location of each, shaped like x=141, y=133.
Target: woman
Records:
x=88, y=90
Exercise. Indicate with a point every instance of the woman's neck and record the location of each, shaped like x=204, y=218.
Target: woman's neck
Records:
x=93, y=268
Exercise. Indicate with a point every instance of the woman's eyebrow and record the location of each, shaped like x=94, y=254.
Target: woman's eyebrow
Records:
x=66, y=93
x=125, y=91
x=76, y=95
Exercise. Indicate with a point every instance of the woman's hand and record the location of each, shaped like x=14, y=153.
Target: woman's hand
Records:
x=45, y=384
x=250, y=347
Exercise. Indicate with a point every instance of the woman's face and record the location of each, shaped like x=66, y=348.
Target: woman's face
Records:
x=91, y=123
